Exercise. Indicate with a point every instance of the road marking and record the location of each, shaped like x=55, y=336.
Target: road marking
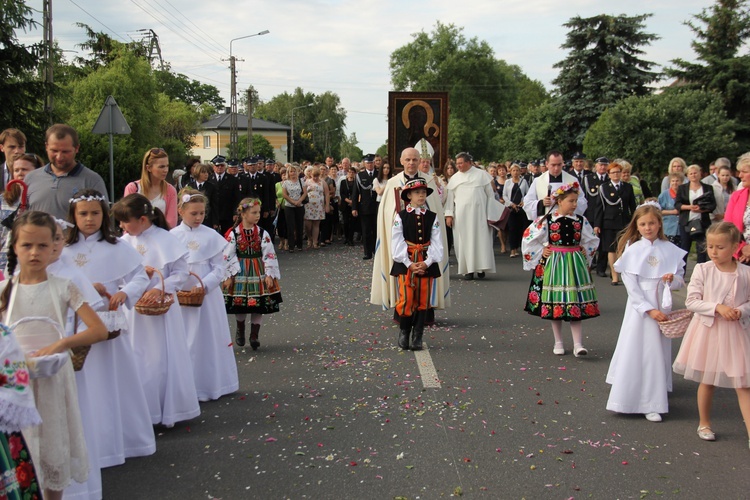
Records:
x=427, y=369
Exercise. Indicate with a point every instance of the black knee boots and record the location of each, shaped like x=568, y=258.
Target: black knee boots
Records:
x=254, y=331
x=405, y=324
x=418, y=331
x=239, y=339
x=411, y=326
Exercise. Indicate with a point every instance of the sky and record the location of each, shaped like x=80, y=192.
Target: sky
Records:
x=345, y=46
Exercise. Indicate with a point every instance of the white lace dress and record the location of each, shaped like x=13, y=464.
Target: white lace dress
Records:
x=58, y=445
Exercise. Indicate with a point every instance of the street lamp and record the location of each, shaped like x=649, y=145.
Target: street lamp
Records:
x=312, y=127
x=293, y=110
x=233, y=99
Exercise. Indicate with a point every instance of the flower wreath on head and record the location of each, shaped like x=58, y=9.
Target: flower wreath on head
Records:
x=652, y=203
x=565, y=188
x=245, y=206
x=63, y=223
x=76, y=199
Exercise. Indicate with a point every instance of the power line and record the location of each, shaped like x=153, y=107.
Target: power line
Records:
x=179, y=24
x=205, y=35
x=163, y=23
x=98, y=21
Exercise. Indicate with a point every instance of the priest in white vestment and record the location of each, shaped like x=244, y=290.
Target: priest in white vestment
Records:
x=469, y=206
x=383, y=287
x=537, y=201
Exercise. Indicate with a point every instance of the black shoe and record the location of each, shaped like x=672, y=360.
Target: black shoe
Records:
x=403, y=339
x=480, y=275
x=601, y=274
x=239, y=338
x=416, y=340
x=469, y=276
x=254, y=331
x=367, y=257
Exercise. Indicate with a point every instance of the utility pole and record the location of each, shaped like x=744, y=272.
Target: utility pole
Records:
x=233, y=99
x=153, y=47
x=250, y=121
x=48, y=62
x=233, y=110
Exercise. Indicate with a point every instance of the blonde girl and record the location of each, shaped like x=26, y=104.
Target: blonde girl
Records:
x=154, y=186
x=640, y=371
x=715, y=351
x=254, y=268
x=206, y=329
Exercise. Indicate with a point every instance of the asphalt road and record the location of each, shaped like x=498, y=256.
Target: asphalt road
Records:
x=328, y=407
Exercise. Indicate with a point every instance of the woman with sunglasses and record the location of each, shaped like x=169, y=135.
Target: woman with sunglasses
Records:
x=154, y=186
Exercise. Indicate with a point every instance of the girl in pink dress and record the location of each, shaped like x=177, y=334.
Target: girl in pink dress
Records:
x=716, y=348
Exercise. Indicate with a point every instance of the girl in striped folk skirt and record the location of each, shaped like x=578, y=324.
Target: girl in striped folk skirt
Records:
x=559, y=247
x=417, y=250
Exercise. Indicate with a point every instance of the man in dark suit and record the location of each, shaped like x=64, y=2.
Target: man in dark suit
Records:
x=591, y=184
x=200, y=173
x=613, y=212
x=228, y=195
x=346, y=192
x=365, y=204
x=269, y=203
x=577, y=170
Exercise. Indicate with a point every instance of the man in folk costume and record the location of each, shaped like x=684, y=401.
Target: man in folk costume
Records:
x=469, y=206
x=537, y=201
x=416, y=251
x=383, y=289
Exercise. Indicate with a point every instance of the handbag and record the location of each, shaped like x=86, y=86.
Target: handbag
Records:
x=694, y=227
x=307, y=198
x=23, y=203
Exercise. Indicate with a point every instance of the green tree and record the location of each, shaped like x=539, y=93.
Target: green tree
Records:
x=21, y=104
x=325, y=108
x=181, y=88
x=603, y=66
x=177, y=120
x=261, y=146
x=128, y=79
x=484, y=92
x=383, y=151
x=721, y=31
x=349, y=148
x=102, y=49
x=532, y=135
x=649, y=131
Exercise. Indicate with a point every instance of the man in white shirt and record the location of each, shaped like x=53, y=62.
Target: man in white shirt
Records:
x=537, y=201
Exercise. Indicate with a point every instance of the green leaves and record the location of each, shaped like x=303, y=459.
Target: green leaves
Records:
x=721, y=31
x=485, y=93
x=602, y=67
x=651, y=130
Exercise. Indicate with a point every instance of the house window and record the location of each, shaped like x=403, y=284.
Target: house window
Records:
x=206, y=141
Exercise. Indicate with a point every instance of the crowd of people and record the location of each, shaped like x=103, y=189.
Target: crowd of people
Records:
x=151, y=336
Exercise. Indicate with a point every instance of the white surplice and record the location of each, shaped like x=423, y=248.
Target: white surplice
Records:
x=206, y=327
x=159, y=341
x=113, y=379
x=640, y=372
